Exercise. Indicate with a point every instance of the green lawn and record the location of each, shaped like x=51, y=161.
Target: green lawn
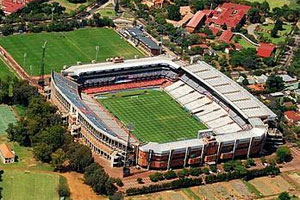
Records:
x=108, y=12
x=70, y=6
x=244, y=43
x=274, y=3
x=6, y=116
x=266, y=32
x=5, y=71
x=155, y=115
x=66, y=48
x=21, y=185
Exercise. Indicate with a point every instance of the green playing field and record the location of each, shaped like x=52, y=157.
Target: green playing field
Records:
x=66, y=48
x=155, y=115
x=6, y=117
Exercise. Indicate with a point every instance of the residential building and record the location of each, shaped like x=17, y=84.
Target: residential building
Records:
x=6, y=154
x=292, y=117
x=266, y=50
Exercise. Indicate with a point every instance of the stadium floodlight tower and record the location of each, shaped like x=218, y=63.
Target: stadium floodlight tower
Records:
x=126, y=169
x=41, y=81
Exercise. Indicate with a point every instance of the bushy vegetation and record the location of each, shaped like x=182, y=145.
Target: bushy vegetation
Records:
x=283, y=154
x=212, y=178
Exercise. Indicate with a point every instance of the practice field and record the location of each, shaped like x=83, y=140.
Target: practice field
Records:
x=274, y=3
x=155, y=115
x=20, y=185
x=66, y=48
x=6, y=117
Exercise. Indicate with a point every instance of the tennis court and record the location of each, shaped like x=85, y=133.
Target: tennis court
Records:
x=6, y=116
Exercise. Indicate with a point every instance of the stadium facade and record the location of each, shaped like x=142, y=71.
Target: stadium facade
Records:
x=237, y=122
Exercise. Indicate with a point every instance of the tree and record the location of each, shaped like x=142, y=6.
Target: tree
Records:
x=224, y=26
x=170, y=175
x=265, y=7
x=117, y=7
x=253, y=15
x=283, y=154
x=274, y=83
x=284, y=196
x=117, y=196
x=43, y=152
x=80, y=156
x=58, y=158
x=173, y=12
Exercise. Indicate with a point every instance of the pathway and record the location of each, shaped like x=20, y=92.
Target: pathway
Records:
x=251, y=30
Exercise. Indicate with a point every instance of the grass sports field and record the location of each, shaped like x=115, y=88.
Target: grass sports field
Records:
x=274, y=3
x=66, y=48
x=155, y=115
x=6, y=116
x=5, y=71
x=19, y=185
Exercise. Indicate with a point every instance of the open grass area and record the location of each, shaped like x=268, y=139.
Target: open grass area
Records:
x=108, y=12
x=155, y=115
x=70, y=6
x=282, y=34
x=274, y=3
x=6, y=116
x=244, y=43
x=20, y=185
x=5, y=70
x=66, y=48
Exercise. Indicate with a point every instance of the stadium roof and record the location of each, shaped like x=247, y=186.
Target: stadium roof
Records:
x=78, y=69
x=137, y=33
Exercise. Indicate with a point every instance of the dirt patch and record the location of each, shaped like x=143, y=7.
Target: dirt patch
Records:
x=78, y=189
x=271, y=186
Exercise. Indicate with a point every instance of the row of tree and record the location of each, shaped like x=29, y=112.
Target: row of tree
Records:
x=57, y=25
x=189, y=182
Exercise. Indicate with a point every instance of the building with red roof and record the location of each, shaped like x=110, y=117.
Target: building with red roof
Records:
x=292, y=117
x=197, y=20
x=214, y=30
x=230, y=14
x=6, y=154
x=226, y=36
x=266, y=50
x=11, y=6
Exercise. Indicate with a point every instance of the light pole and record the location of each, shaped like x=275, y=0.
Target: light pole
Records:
x=24, y=59
x=30, y=67
x=97, y=51
x=52, y=10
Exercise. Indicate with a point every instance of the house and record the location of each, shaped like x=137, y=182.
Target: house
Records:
x=266, y=50
x=226, y=36
x=138, y=37
x=11, y=6
x=197, y=20
x=6, y=154
x=287, y=79
x=292, y=117
x=256, y=87
x=230, y=14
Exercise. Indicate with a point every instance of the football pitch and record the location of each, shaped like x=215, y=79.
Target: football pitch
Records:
x=155, y=115
x=6, y=117
x=20, y=185
x=66, y=48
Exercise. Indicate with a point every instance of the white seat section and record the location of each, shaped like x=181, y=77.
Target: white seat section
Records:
x=207, y=109
x=189, y=97
x=174, y=86
x=214, y=115
x=246, y=104
x=229, y=128
x=182, y=91
x=198, y=103
x=207, y=75
x=220, y=122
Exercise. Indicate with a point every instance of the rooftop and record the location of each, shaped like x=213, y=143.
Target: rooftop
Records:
x=292, y=115
x=6, y=151
x=265, y=50
x=226, y=36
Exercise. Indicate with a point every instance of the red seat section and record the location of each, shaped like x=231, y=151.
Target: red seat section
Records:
x=124, y=86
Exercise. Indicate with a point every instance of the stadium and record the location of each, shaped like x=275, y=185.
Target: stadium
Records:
x=159, y=113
